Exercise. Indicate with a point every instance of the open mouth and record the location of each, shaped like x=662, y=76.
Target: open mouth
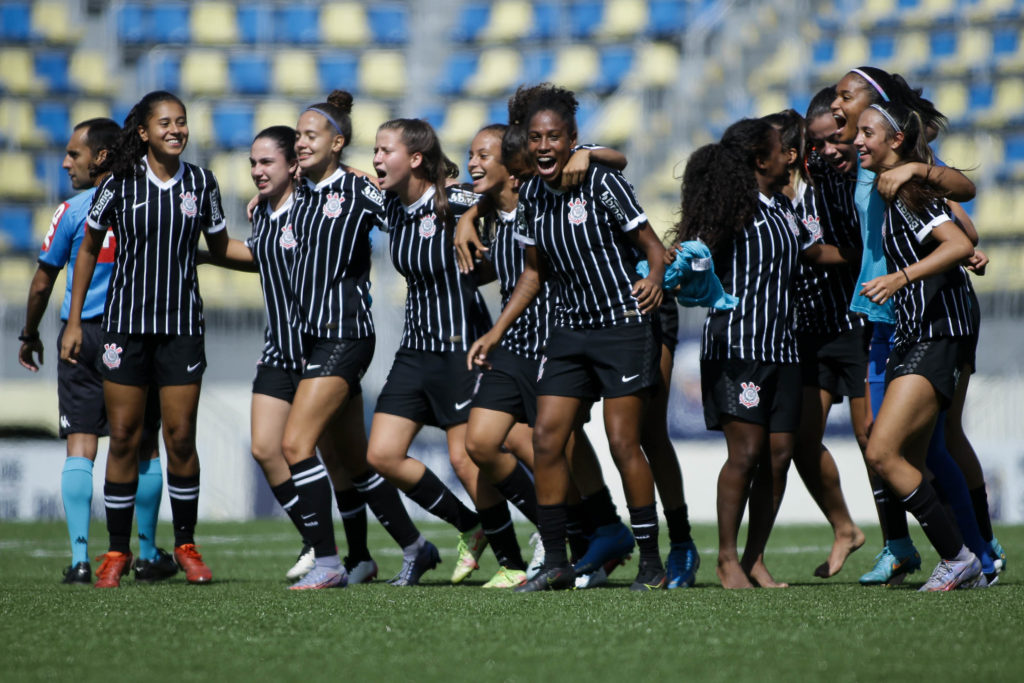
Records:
x=381, y=173
x=546, y=165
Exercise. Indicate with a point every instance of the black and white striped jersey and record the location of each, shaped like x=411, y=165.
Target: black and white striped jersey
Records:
x=529, y=332
x=330, y=275
x=273, y=245
x=154, y=288
x=443, y=309
x=938, y=306
x=757, y=267
x=822, y=294
x=582, y=233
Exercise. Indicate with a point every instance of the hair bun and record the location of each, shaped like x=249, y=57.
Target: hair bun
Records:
x=342, y=99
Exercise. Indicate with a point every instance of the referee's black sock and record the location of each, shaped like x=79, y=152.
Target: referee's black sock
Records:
x=644, y=521
x=576, y=530
x=387, y=507
x=599, y=508
x=353, y=518
x=288, y=497
x=432, y=495
x=979, y=499
x=184, y=495
x=497, y=523
x=119, y=500
x=678, y=522
x=314, y=506
x=519, y=490
x=551, y=521
x=944, y=535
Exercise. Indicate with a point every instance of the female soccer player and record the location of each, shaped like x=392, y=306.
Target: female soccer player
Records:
x=153, y=324
x=922, y=245
x=602, y=310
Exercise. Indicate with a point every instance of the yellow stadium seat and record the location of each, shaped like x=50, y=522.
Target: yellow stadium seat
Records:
x=974, y=46
x=576, y=66
x=851, y=51
x=17, y=122
x=344, y=23
x=200, y=123
x=776, y=70
x=222, y=288
x=510, y=20
x=294, y=73
x=382, y=73
x=463, y=119
x=275, y=113
x=872, y=12
x=912, y=51
x=960, y=150
x=618, y=120
x=18, y=72
x=986, y=10
x=234, y=179
x=497, y=72
x=204, y=71
x=926, y=12
x=360, y=157
x=657, y=65
x=83, y=110
x=367, y=115
x=214, y=23
x=18, y=177
x=1005, y=270
x=42, y=216
x=770, y=102
x=623, y=18
x=89, y=71
x=1015, y=60
x=951, y=99
x=995, y=212
x=1008, y=103
x=57, y=21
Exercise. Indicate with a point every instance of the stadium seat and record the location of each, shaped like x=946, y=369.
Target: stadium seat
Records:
x=200, y=123
x=55, y=21
x=614, y=63
x=623, y=19
x=497, y=72
x=585, y=18
x=1007, y=105
x=929, y=13
x=338, y=71
x=547, y=20
x=51, y=67
x=297, y=24
x=457, y=72
x=214, y=23
x=275, y=113
x=1008, y=49
x=497, y=111
x=132, y=23
x=344, y=23
x=294, y=73
x=667, y=18
x=951, y=99
x=770, y=101
x=15, y=22
x=878, y=13
x=204, y=71
x=17, y=71
x=618, y=120
x=510, y=20
x=823, y=52
x=165, y=70
x=52, y=123
x=249, y=73
x=18, y=177
x=232, y=124
x=575, y=67
x=537, y=66
x=470, y=22
x=16, y=232
x=367, y=115
x=389, y=24
x=912, y=51
x=882, y=48
x=382, y=73
x=17, y=122
x=991, y=10
x=90, y=73
x=42, y=216
x=83, y=110
x=973, y=51
x=461, y=122
x=657, y=65
x=169, y=23
x=777, y=68
x=959, y=150
x=233, y=177
x=255, y=23
x=994, y=213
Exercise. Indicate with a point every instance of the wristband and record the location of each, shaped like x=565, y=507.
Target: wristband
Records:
x=904, y=271
x=28, y=338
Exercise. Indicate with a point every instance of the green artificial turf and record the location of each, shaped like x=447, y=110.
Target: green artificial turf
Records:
x=246, y=626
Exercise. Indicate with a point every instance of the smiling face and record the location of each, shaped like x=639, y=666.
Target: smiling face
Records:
x=853, y=96
x=876, y=149
x=78, y=158
x=317, y=146
x=392, y=161
x=166, y=130
x=271, y=172
x=550, y=143
x=824, y=138
x=485, y=165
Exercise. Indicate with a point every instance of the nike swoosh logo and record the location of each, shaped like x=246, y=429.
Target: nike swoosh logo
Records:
x=192, y=368
x=138, y=205
x=313, y=367
x=311, y=514
x=460, y=406
x=630, y=378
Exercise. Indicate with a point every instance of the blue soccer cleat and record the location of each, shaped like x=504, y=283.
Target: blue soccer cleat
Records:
x=683, y=562
x=610, y=542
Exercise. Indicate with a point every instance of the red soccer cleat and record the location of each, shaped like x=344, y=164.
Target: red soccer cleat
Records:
x=191, y=562
x=115, y=565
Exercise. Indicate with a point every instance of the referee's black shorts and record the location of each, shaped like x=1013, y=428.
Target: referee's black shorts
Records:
x=836, y=363
x=155, y=359
x=938, y=360
x=509, y=386
x=344, y=358
x=768, y=394
x=430, y=387
x=608, y=362
x=276, y=382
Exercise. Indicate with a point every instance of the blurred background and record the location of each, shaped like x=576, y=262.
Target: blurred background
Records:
x=655, y=78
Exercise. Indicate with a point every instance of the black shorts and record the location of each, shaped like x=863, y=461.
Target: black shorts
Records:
x=668, y=315
x=157, y=359
x=768, y=394
x=429, y=387
x=509, y=386
x=609, y=362
x=276, y=382
x=937, y=360
x=836, y=363
x=344, y=358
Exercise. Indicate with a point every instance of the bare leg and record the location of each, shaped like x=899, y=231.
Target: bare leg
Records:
x=745, y=443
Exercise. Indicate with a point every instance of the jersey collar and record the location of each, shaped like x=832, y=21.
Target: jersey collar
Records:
x=164, y=185
x=284, y=207
x=418, y=204
x=768, y=201
x=326, y=181
x=507, y=215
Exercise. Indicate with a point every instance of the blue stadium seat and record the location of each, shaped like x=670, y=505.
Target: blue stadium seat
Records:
x=1014, y=145
x=980, y=96
x=53, y=120
x=16, y=228
x=132, y=24
x=585, y=17
x=472, y=19
x=1005, y=41
x=497, y=111
x=338, y=70
x=254, y=23
x=232, y=125
x=166, y=72
x=53, y=68
x=615, y=63
x=249, y=73
x=389, y=24
x=15, y=22
x=297, y=24
x=823, y=52
x=883, y=47
x=537, y=65
x=169, y=23
x=434, y=116
x=457, y=70
x=547, y=19
x=943, y=44
x=667, y=18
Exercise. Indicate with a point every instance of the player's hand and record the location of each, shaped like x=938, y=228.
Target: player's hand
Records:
x=889, y=182
x=71, y=343
x=251, y=206
x=575, y=169
x=648, y=294
x=25, y=354
x=976, y=264
x=467, y=244
x=477, y=356
x=883, y=287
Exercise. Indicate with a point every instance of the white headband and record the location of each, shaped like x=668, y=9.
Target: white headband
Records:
x=888, y=117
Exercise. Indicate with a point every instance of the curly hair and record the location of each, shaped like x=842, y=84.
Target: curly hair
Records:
x=419, y=137
x=793, y=131
x=898, y=91
x=547, y=97
x=519, y=103
x=915, y=193
x=126, y=160
x=719, y=192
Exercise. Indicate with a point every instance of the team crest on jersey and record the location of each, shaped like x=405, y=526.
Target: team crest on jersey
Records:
x=188, y=204
x=287, y=240
x=749, y=396
x=332, y=207
x=577, y=211
x=813, y=226
x=428, y=225
x=540, y=369
x=791, y=222
x=112, y=355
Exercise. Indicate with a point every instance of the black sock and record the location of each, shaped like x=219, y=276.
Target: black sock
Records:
x=497, y=523
x=551, y=521
x=432, y=495
x=314, y=506
x=979, y=498
x=353, y=518
x=387, y=507
x=892, y=515
x=576, y=530
x=519, y=490
x=288, y=497
x=644, y=521
x=944, y=535
x=600, y=509
x=119, y=499
x=678, y=522
x=184, y=495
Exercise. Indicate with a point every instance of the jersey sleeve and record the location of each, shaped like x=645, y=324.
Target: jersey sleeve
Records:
x=619, y=200
x=460, y=200
x=524, y=229
x=104, y=205
x=56, y=249
x=213, y=209
x=933, y=215
x=371, y=200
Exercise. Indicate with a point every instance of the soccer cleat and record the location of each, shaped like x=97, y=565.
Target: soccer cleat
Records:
x=683, y=562
x=303, y=564
x=551, y=579
x=650, y=577
x=999, y=554
x=891, y=570
x=506, y=578
x=470, y=548
x=321, y=577
x=536, y=565
x=592, y=580
x=162, y=567
x=78, y=573
x=609, y=542
x=191, y=562
x=426, y=559
x=950, y=574
x=363, y=571
x=115, y=565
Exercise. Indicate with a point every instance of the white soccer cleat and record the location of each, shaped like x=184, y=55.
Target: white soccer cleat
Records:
x=364, y=571
x=537, y=561
x=304, y=564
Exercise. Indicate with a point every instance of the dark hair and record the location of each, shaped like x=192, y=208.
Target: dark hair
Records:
x=547, y=97
x=130, y=148
x=519, y=103
x=915, y=193
x=337, y=111
x=821, y=103
x=719, y=192
x=419, y=137
x=283, y=136
x=793, y=131
x=500, y=130
x=100, y=134
x=898, y=91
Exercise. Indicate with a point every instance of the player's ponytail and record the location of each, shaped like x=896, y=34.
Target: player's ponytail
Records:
x=131, y=148
x=899, y=119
